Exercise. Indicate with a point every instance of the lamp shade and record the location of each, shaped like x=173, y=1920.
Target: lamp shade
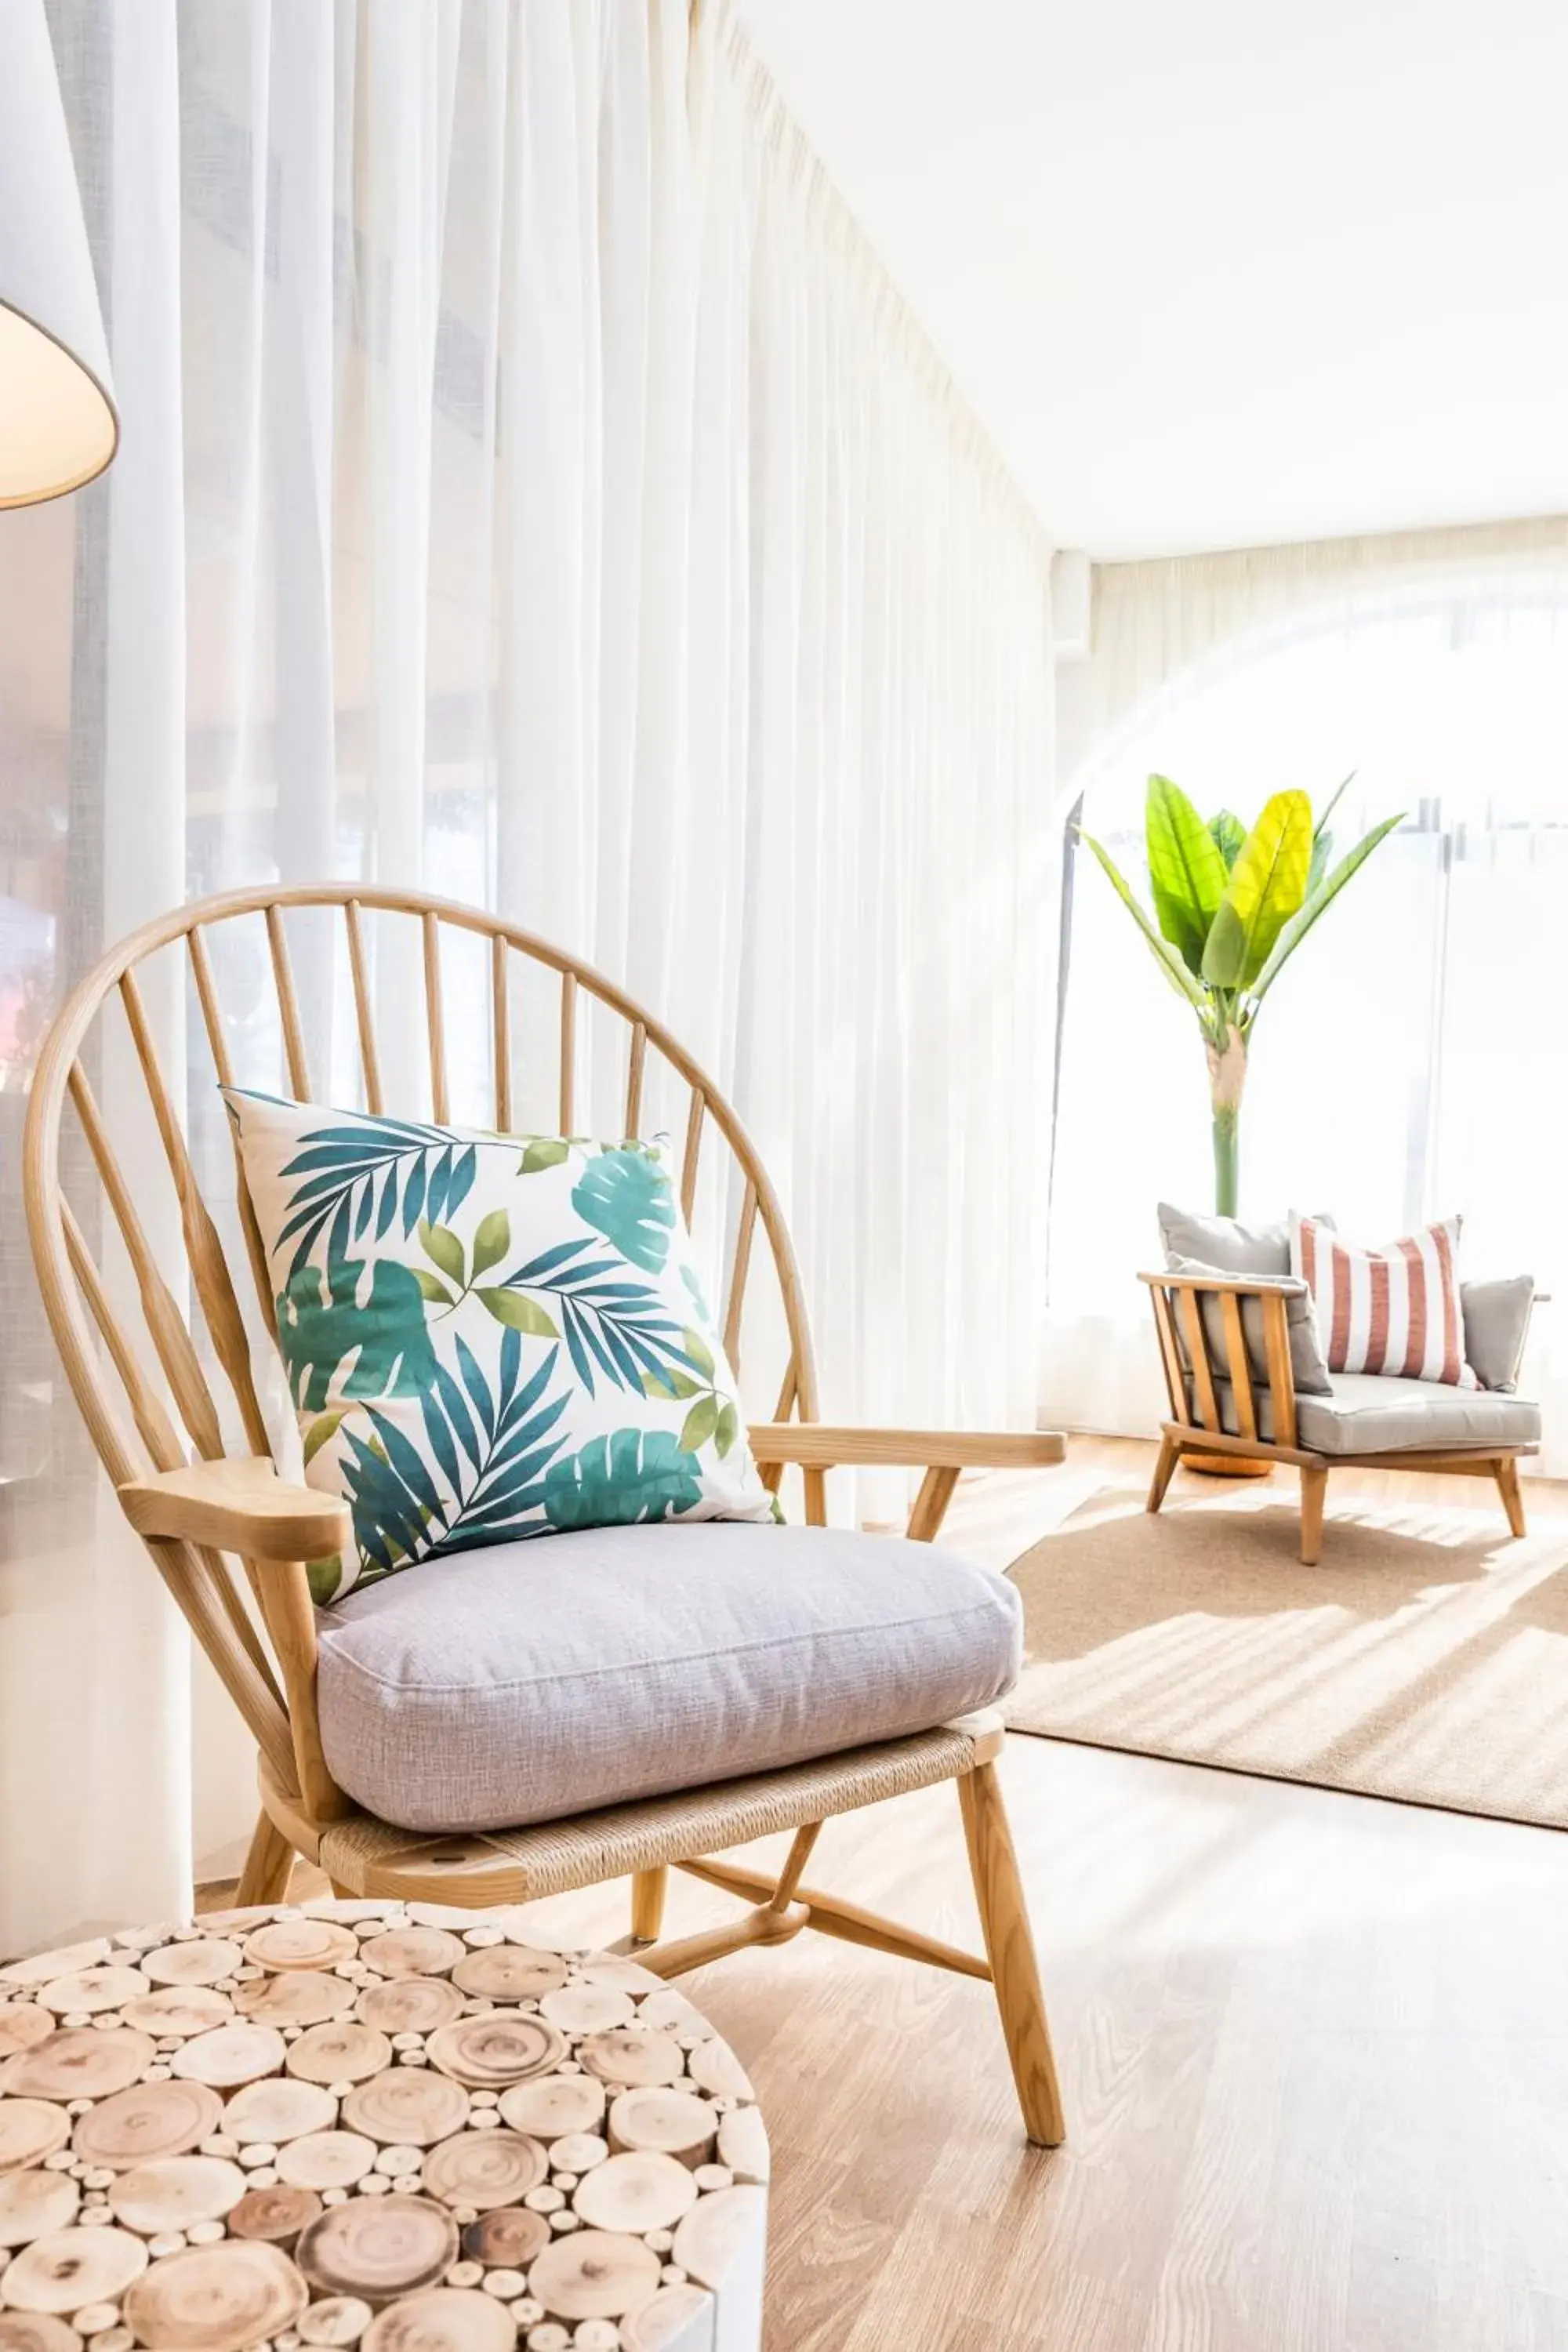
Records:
x=58, y=424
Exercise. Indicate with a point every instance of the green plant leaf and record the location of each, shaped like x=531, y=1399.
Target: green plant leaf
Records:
x=431, y=1288
x=325, y=1578
x=442, y=1247
x=626, y=1196
x=699, y=1423
x=491, y=1242
x=1187, y=874
x=518, y=1312
x=696, y=1347
x=615, y=1481
x=1168, y=962
x=386, y=1333
x=320, y=1431
x=1323, y=898
x=1230, y=833
x=669, y=1384
x=728, y=1430
x=1266, y=884
x=544, y=1151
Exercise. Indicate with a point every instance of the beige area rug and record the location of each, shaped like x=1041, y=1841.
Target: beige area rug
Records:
x=1426, y=1658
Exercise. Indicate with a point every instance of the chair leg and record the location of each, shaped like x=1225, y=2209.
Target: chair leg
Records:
x=648, y=1890
x=1164, y=1469
x=1314, y=1484
x=267, y=1866
x=1010, y=1948
x=1507, y=1476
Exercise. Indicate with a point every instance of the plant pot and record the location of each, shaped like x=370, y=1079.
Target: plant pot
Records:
x=1226, y=1465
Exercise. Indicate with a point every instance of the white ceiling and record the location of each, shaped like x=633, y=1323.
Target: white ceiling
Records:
x=1226, y=272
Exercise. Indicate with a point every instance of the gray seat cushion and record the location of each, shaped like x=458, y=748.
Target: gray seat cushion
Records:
x=543, y=1678
x=1371, y=1412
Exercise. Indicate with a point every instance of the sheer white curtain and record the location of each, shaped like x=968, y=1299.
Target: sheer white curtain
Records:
x=1413, y=1060
x=532, y=488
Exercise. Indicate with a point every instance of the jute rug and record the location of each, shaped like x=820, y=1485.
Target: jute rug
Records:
x=1425, y=1658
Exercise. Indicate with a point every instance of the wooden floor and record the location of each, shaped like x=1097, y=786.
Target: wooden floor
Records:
x=1314, y=2048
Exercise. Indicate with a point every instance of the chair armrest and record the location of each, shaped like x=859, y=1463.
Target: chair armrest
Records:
x=238, y=1505
x=822, y=1445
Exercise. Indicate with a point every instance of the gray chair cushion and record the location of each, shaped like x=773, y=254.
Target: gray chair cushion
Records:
x=1496, y=1318
x=1306, y=1367
x=538, y=1679
x=1262, y=1252
x=1371, y=1412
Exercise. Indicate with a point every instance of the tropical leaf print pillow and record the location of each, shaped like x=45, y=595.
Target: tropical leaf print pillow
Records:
x=487, y=1335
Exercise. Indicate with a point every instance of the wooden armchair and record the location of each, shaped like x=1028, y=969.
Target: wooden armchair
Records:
x=1220, y=1405
x=231, y=1537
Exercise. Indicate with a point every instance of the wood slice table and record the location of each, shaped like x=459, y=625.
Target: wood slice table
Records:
x=396, y=2127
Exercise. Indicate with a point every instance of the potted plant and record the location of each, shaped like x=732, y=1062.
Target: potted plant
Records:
x=1231, y=908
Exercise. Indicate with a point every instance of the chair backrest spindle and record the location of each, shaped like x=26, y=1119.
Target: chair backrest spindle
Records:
x=435, y=1021
x=365, y=1017
x=288, y=1006
x=568, y=1051
x=500, y=1032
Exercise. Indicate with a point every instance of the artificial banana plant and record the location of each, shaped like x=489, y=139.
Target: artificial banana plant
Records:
x=1230, y=909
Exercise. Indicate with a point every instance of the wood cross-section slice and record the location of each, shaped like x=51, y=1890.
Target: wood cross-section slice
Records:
x=714, y=2067
x=451, y=2319
x=409, y=2004
x=491, y=2051
x=506, y=2239
x=636, y=2193
x=202, y=1960
x=378, y=2247
x=23, y=2024
x=33, y=2203
x=664, y=2321
x=276, y=2215
x=184, y=2009
x=230, y=2054
x=408, y=2106
x=743, y=2143
x=336, y=2319
x=277, y=2108
x=79, y=2061
x=554, y=2104
x=591, y=2274
x=343, y=2052
x=632, y=2055
x=298, y=1997
x=302, y=1944
x=328, y=2159
x=30, y=2129
x=413, y=1952
x=510, y=1972
x=175, y=2192
x=149, y=2121
x=666, y=2122
x=580, y=2008
x=88, y=1990
x=216, y=2298
x=624, y=1975
x=36, y=2331
x=43, y=1965
x=70, y=2268
x=709, y=2240
x=482, y=2168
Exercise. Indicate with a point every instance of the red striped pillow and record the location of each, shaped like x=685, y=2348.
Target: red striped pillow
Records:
x=1395, y=1309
